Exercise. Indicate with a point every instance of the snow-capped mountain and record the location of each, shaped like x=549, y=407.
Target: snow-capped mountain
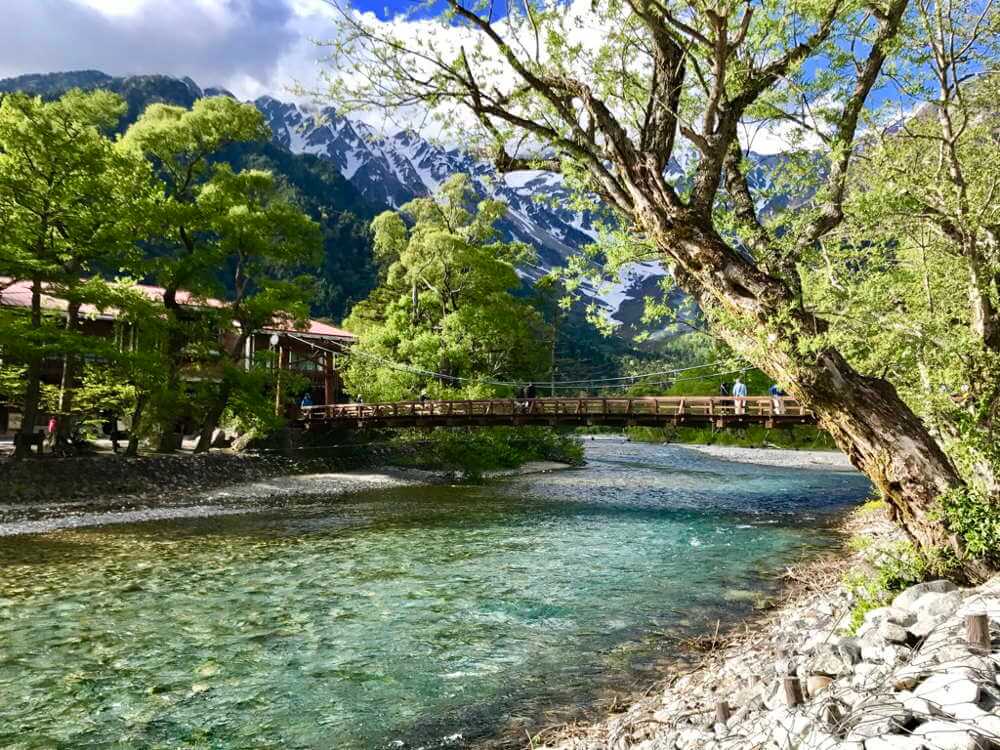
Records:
x=391, y=170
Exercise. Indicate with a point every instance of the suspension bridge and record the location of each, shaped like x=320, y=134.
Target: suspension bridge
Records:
x=652, y=411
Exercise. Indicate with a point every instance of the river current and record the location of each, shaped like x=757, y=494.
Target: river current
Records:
x=409, y=617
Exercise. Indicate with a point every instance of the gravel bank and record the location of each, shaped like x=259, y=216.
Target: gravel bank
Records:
x=827, y=460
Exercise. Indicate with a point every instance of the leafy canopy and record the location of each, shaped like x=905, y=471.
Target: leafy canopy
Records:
x=445, y=303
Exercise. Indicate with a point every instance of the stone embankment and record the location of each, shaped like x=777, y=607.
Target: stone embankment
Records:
x=908, y=680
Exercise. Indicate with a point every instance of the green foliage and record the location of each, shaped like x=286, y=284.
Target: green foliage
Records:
x=445, y=304
x=77, y=208
x=888, y=569
x=472, y=452
x=976, y=519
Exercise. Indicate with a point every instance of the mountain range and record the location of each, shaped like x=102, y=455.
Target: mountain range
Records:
x=387, y=171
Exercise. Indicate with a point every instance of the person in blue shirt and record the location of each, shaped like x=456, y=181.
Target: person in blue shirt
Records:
x=307, y=400
x=776, y=395
x=739, y=396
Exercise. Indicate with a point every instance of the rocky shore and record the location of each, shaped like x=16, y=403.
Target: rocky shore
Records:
x=47, y=495
x=42, y=495
x=907, y=680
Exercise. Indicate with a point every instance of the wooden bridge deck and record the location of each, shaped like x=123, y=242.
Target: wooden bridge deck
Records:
x=650, y=411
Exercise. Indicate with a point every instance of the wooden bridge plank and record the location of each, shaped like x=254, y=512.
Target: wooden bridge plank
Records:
x=651, y=411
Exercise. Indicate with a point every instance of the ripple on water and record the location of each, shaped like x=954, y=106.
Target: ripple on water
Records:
x=407, y=613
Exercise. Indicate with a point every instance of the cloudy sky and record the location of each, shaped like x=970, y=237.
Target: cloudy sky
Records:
x=250, y=47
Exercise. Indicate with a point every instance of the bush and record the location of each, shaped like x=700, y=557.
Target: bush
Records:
x=471, y=452
x=888, y=569
x=972, y=516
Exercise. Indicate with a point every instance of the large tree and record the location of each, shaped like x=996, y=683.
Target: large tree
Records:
x=444, y=310
x=609, y=92
x=72, y=206
x=910, y=281
x=182, y=146
x=255, y=233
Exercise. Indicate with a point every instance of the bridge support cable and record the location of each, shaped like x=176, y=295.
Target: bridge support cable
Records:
x=623, y=381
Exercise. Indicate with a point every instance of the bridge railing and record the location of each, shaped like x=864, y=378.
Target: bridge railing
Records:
x=585, y=407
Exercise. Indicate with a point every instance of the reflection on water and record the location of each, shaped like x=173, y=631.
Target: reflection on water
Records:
x=404, y=615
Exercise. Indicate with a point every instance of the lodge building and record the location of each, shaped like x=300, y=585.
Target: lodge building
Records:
x=310, y=350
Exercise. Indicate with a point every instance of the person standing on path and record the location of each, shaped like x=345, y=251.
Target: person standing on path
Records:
x=739, y=396
x=776, y=398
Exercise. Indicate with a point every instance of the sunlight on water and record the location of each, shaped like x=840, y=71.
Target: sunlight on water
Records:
x=403, y=615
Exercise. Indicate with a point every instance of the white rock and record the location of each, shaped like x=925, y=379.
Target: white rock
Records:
x=906, y=599
x=936, y=607
x=980, y=603
x=900, y=616
x=949, y=688
x=894, y=742
x=892, y=632
x=948, y=735
x=919, y=707
x=883, y=716
x=788, y=725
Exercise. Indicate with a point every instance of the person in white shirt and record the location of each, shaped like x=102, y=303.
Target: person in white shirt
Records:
x=739, y=396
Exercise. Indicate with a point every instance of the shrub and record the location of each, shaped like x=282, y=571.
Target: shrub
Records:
x=472, y=452
x=888, y=569
x=972, y=516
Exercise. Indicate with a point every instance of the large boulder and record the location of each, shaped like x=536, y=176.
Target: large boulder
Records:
x=906, y=599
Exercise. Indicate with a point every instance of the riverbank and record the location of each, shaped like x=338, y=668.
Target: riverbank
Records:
x=94, y=491
x=907, y=680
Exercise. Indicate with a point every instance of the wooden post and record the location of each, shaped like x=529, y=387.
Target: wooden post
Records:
x=279, y=396
x=328, y=391
x=722, y=712
x=793, y=692
x=977, y=633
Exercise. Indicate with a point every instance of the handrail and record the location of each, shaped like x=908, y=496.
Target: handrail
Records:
x=706, y=408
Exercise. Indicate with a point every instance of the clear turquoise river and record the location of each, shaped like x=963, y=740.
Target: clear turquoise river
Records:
x=410, y=617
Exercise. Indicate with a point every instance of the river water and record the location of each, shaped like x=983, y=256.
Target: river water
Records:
x=408, y=617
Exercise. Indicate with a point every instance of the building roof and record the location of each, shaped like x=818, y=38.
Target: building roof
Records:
x=18, y=294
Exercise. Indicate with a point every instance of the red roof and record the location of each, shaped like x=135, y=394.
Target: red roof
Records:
x=18, y=294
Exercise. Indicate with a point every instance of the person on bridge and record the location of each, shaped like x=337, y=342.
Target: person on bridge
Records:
x=739, y=396
x=776, y=395
x=307, y=400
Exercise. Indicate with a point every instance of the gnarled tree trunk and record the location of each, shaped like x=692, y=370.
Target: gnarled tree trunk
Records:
x=762, y=319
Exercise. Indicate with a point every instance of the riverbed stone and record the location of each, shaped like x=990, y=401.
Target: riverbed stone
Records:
x=893, y=632
x=828, y=661
x=908, y=596
x=949, y=688
x=894, y=742
x=920, y=708
x=849, y=650
x=881, y=716
x=949, y=735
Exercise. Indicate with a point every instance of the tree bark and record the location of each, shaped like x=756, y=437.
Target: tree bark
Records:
x=213, y=416
x=67, y=389
x=33, y=378
x=175, y=342
x=133, y=434
x=761, y=318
